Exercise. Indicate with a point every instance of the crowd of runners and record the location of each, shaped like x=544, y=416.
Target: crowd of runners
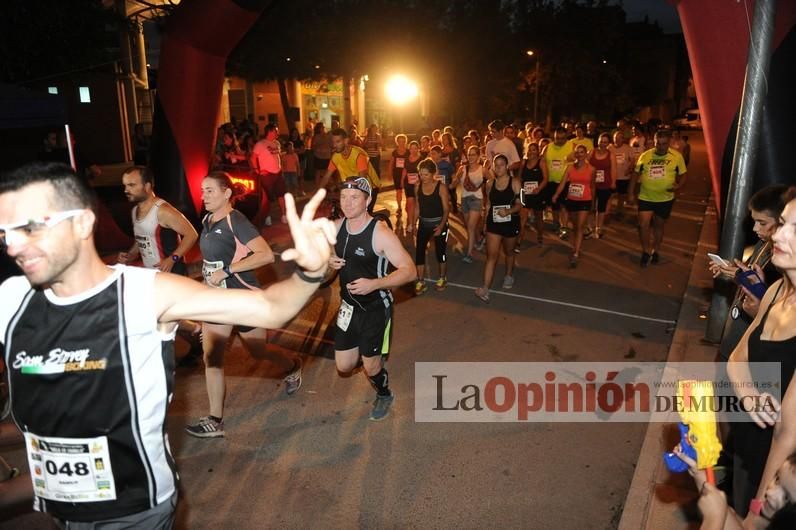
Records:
x=112, y=327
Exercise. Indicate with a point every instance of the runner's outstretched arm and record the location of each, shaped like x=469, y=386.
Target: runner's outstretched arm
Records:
x=179, y=298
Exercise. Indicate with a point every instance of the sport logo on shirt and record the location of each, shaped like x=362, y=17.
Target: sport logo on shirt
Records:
x=57, y=361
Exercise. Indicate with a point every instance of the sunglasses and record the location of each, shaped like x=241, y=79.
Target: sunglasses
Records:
x=17, y=233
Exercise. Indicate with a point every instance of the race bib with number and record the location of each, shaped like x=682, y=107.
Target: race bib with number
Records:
x=208, y=268
x=530, y=187
x=148, y=250
x=576, y=191
x=400, y=163
x=558, y=165
x=411, y=178
x=497, y=218
x=344, y=315
x=599, y=175
x=70, y=469
x=657, y=172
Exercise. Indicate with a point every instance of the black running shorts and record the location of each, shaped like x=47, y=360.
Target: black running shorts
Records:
x=370, y=331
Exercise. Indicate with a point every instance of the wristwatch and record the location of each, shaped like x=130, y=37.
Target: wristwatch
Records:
x=175, y=258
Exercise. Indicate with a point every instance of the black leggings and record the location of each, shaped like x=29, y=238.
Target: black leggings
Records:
x=425, y=231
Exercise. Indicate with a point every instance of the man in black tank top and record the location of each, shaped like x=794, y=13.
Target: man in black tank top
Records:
x=89, y=348
x=364, y=249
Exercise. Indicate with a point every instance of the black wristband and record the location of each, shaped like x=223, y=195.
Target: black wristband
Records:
x=175, y=258
x=226, y=270
x=307, y=278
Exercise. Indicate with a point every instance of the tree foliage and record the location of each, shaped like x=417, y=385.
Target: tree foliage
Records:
x=470, y=53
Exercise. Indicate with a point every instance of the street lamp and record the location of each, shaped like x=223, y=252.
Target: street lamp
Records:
x=530, y=53
x=400, y=90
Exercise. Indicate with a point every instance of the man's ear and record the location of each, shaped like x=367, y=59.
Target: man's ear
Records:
x=85, y=223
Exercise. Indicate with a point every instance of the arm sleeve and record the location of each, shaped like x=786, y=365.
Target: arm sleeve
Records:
x=242, y=228
x=362, y=162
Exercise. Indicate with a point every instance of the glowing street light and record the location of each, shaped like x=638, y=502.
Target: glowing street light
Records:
x=529, y=53
x=400, y=90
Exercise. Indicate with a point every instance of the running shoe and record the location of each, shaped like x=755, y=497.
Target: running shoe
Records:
x=563, y=234
x=441, y=284
x=655, y=259
x=293, y=379
x=588, y=233
x=481, y=244
x=467, y=258
x=508, y=282
x=268, y=221
x=420, y=287
x=381, y=407
x=206, y=427
x=645, y=259
x=483, y=294
x=517, y=248
x=598, y=233
x=573, y=261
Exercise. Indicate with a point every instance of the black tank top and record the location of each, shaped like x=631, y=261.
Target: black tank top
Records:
x=752, y=442
x=430, y=205
x=533, y=174
x=361, y=261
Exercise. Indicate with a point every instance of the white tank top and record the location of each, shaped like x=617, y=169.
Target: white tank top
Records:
x=147, y=235
x=477, y=178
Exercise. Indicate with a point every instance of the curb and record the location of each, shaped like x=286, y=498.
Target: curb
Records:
x=642, y=508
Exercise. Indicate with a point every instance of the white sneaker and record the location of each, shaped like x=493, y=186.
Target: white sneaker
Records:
x=508, y=282
x=268, y=221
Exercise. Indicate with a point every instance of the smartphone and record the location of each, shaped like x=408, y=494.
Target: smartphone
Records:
x=718, y=260
x=752, y=282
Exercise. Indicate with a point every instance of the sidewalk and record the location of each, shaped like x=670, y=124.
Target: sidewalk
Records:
x=658, y=498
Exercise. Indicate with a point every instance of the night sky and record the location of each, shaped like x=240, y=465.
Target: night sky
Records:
x=661, y=10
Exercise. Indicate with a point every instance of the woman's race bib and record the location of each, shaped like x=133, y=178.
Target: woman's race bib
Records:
x=411, y=178
x=530, y=187
x=497, y=218
x=576, y=191
x=208, y=268
x=70, y=469
x=599, y=175
x=400, y=163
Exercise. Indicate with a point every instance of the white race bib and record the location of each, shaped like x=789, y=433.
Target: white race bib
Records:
x=497, y=218
x=70, y=469
x=411, y=178
x=558, y=165
x=599, y=175
x=208, y=268
x=148, y=250
x=400, y=163
x=657, y=172
x=576, y=191
x=344, y=315
x=530, y=187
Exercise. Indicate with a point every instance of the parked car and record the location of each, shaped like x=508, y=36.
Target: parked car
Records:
x=690, y=119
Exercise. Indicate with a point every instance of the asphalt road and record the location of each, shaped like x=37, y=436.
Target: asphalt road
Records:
x=314, y=459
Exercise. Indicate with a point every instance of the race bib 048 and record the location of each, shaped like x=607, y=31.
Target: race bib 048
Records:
x=70, y=469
